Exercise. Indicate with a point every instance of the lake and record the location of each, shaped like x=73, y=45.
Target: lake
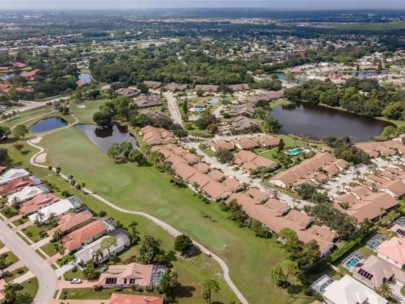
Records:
x=85, y=78
x=48, y=124
x=318, y=122
x=104, y=137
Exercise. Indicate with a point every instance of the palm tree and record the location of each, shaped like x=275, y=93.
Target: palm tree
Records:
x=385, y=290
x=134, y=234
x=98, y=256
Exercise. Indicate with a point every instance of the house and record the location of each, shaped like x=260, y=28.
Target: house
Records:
x=39, y=201
x=30, y=75
x=157, y=136
x=152, y=84
x=134, y=299
x=20, y=65
x=207, y=88
x=264, y=96
x=130, y=92
x=174, y=87
x=133, y=274
x=350, y=291
x=312, y=171
x=393, y=251
x=57, y=209
x=215, y=145
x=251, y=162
x=25, y=194
x=242, y=123
x=374, y=272
x=257, y=195
x=86, y=254
x=268, y=141
x=5, y=87
x=216, y=190
x=154, y=115
x=12, y=174
x=84, y=235
x=362, y=203
x=246, y=143
x=241, y=110
x=148, y=101
x=239, y=87
x=17, y=185
x=72, y=220
x=386, y=148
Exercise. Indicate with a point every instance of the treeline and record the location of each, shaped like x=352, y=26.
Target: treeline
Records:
x=360, y=96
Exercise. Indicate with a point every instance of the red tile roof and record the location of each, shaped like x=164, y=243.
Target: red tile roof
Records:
x=83, y=235
x=38, y=202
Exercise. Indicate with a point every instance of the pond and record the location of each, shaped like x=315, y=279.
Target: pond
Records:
x=281, y=76
x=104, y=137
x=318, y=122
x=85, y=78
x=48, y=124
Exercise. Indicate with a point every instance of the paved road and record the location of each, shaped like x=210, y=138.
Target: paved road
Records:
x=174, y=110
x=169, y=229
x=44, y=273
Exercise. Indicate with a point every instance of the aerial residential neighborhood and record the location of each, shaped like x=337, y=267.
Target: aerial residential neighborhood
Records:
x=199, y=153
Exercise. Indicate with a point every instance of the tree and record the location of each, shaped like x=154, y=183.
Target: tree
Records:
x=113, y=151
x=18, y=147
x=385, y=290
x=102, y=118
x=169, y=283
x=133, y=233
x=135, y=156
x=90, y=272
x=107, y=243
x=20, y=131
x=281, y=146
x=150, y=251
x=183, y=243
x=292, y=243
x=210, y=286
x=282, y=272
x=224, y=155
x=271, y=125
x=10, y=292
x=4, y=131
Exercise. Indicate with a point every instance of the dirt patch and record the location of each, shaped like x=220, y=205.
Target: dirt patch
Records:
x=36, y=140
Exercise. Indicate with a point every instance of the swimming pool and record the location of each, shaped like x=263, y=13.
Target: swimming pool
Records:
x=296, y=151
x=352, y=260
x=196, y=109
x=376, y=241
x=213, y=101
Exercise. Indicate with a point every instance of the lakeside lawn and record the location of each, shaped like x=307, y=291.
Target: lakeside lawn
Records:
x=27, y=116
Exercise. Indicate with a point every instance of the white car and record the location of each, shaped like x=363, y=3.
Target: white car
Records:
x=75, y=281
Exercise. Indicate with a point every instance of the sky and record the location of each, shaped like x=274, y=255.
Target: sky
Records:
x=142, y=4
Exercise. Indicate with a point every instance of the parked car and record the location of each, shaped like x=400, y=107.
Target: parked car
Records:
x=75, y=281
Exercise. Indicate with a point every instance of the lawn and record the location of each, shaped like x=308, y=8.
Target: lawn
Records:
x=27, y=116
x=90, y=294
x=33, y=232
x=27, y=294
x=49, y=249
x=16, y=273
x=10, y=258
x=20, y=221
x=84, y=111
x=73, y=274
x=146, y=189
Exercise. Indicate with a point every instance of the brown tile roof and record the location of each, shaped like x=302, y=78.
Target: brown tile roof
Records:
x=216, y=175
x=184, y=171
x=300, y=218
x=141, y=273
x=278, y=207
x=216, y=190
x=232, y=184
x=202, y=167
x=72, y=220
x=258, y=195
x=134, y=299
x=88, y=233
x=157, y=136
x=199, y=179
x=38, y=202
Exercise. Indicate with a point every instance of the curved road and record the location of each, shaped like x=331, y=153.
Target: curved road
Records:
x=169, y=229
x=39, y=267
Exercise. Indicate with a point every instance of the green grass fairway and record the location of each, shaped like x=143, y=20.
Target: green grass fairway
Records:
x=27, y=116
x=84, y=111
x=147, y=189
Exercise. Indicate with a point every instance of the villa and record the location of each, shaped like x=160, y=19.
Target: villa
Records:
x=25, y=194
x=57, y=209
x=39, y=201
x=84, y=235
x=86, y=254
x=251, y=162
x=393, y=251
x=157, y=136
x=134, y=299
x=133, y=274
x=350, y=291
x=72, y=220
x=13, y=174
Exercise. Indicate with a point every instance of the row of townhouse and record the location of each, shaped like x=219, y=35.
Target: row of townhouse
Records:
x=385, y=148
x=277, y=215
x=313, y=171
x=187, y=166
x=244, y=143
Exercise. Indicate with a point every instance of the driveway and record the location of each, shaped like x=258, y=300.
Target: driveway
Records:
x=45, y=274
x=174, y=110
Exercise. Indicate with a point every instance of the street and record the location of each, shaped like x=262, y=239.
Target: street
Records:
x=39, y=267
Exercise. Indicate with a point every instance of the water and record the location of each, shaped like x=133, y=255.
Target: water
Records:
x=281, y=76
x=214, y=101
x=318, y=122
x=104, y=137
x=48, y=124
x=85, y=78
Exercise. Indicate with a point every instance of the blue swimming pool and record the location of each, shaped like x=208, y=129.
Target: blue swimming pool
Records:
x=296, y=151
x=352, y=260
